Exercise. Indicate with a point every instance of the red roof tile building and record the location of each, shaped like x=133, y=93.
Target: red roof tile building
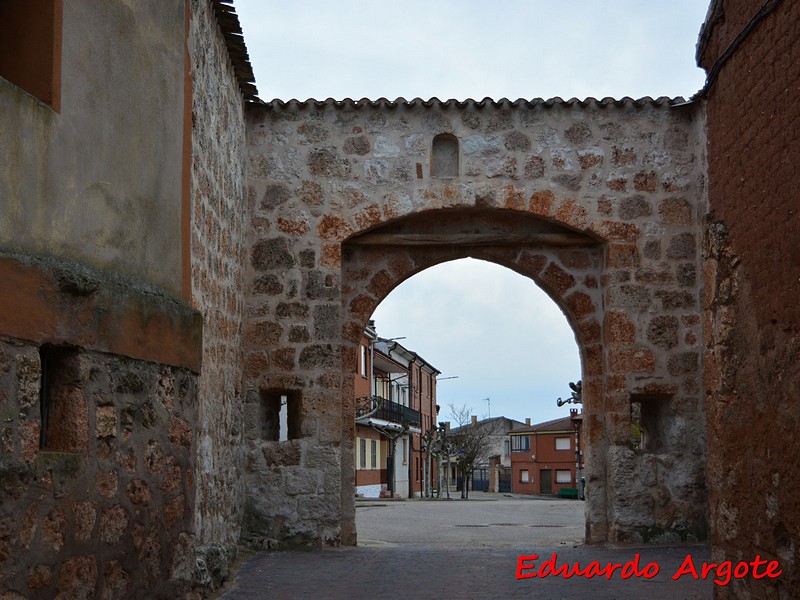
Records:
x=543, y=456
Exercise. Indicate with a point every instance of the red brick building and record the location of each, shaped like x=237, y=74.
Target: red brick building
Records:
x=395, y=392
x=543, y=456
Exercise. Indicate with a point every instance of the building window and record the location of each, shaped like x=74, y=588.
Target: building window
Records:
x=506, y=448
x=520, y=443
x=363, y=362
x=562, y=443
x=405, y=451
x=444, y=156
x=30, y=47
x=564, y=476
x=373, y=457
x=524, y=476
x=362, y=453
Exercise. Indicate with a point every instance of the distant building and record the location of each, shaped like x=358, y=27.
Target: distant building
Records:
x=543, y=456
x=488, y=472
x=395, y=404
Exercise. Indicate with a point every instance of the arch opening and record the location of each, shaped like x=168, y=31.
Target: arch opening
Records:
x=502, y=336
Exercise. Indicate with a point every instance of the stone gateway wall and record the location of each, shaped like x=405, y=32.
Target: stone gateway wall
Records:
x=217, y=281
x=599, y=202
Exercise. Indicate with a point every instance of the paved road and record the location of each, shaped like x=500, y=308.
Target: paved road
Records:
x=485, y=520
x=465, y=550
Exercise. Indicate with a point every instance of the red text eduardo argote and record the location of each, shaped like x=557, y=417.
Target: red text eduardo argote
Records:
x=722, y=573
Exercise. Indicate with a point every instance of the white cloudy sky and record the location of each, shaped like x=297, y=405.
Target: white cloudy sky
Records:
x=494, y=329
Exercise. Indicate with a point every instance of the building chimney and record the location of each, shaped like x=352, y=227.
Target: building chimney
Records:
x=474, y=419
x=527, y=420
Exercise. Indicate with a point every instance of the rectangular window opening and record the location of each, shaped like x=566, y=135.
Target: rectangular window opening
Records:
x=524, y=476
x=648, y=419
x=63, y=407
x=563, y=443
x=282, y=415
x=373, y=459
x=362, y=453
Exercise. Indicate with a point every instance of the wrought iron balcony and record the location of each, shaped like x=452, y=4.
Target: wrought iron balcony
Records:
x=386, y=410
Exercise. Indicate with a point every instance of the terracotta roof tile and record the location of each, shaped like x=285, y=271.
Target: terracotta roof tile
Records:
x=560, y=424
x=469, y=102
x=228, y=21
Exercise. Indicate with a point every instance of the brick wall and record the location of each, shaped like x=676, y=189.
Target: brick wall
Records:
x=752, y=264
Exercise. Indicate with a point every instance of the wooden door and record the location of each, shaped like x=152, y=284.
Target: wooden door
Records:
x=545, y=481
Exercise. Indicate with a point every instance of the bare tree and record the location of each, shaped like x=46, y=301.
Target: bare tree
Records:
x=470, y=443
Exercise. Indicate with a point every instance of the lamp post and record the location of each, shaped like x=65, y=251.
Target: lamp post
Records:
x=576, y=397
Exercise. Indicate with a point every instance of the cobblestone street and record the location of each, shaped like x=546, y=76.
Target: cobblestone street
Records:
x=466, y=550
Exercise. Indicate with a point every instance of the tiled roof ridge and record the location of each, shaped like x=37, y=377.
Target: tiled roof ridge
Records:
x=544, y=424
x=385, y=102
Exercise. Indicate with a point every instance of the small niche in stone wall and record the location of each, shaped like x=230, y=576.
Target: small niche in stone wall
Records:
x=282, y=415
x=444, y=156
x=648, y=419
x=63, y=406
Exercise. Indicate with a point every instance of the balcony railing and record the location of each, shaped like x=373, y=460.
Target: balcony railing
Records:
x=387, y=410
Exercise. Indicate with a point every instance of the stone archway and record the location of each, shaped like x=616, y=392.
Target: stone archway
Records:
x=598, y=203
x=567, y=265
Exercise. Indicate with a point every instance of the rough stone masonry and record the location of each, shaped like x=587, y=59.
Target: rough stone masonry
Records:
x=598, y=202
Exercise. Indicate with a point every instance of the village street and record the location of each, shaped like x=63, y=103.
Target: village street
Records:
x=484, y=521
x=467, y=549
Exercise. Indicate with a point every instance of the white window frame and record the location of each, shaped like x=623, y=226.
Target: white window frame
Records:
x=521, y=443
x=373, y=448
x=560, y=443
x=524, y=476
x=560, y=476
x=363, y=360
x=362, y=450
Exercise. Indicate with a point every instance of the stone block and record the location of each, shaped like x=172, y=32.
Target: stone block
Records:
x=272, y=254
x=325, y=162
x=662, y=331
x=113, y=524
x=557, y=280
x=116, y=581
x=84, y=519
x=631, y=360
x=357, y=145
x=77, y=578
x=300, y=480
x=681, y=246
x=138, y=492
x=618, y=329
x=39, y=577
x=634, y=207
x=685, y=362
